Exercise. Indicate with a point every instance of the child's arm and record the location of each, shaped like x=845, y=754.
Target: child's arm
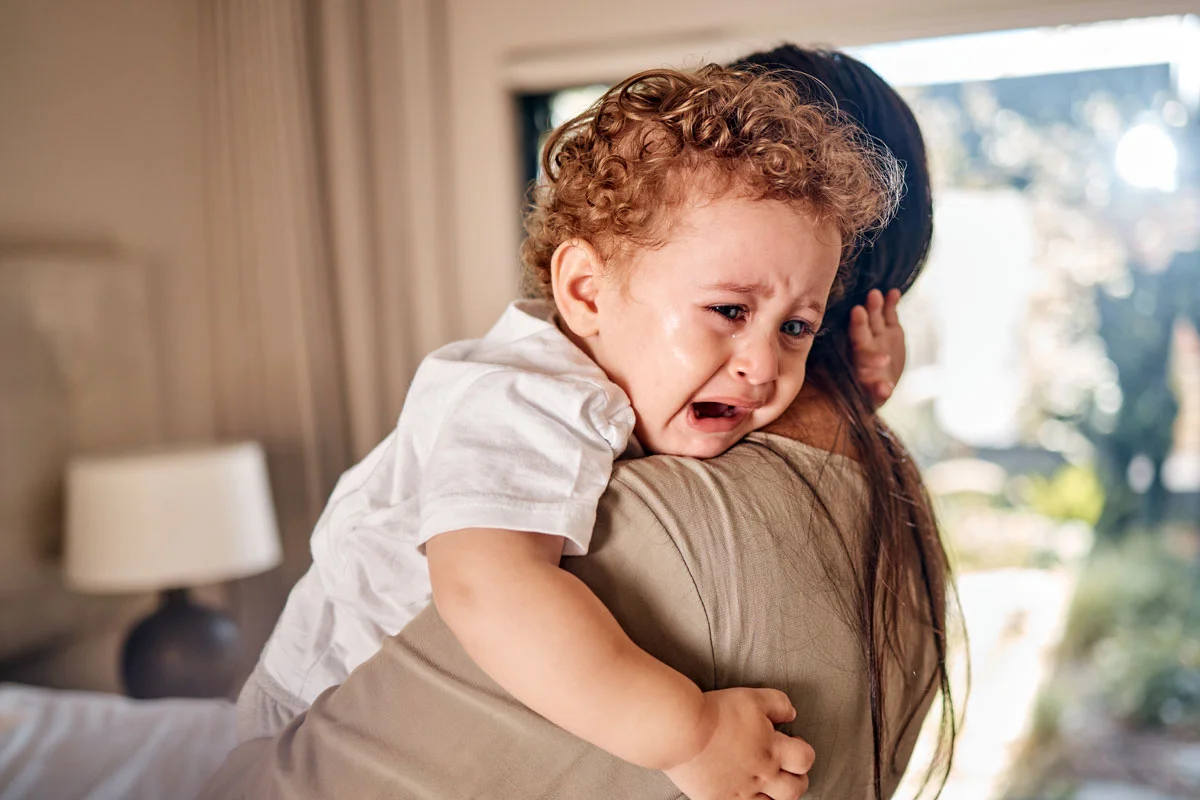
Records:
x=540, y=633
x=877, y=341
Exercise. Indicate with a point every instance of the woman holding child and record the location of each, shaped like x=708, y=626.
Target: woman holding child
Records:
x=689, y=236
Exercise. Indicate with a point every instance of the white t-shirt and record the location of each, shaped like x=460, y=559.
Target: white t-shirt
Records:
x=517, y=430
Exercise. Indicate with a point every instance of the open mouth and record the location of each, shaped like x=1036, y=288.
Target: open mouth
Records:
x=715, y=417
x=714, y=410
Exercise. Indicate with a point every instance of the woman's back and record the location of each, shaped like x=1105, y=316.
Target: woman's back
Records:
x=727, y=569
x=767, y=534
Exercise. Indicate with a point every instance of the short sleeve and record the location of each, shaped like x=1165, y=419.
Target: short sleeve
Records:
x=524, y=450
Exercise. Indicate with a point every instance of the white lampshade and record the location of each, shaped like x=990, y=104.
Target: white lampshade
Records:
x=166, y=519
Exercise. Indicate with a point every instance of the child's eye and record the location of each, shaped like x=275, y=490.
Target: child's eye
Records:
x=731, y=313
x=797, y=328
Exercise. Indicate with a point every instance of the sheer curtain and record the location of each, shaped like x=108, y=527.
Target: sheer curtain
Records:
x=328, y=239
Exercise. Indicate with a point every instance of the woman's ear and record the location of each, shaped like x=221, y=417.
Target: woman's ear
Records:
x=575, y=277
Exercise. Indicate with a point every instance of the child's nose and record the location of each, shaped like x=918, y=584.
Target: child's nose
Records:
x=757, y=361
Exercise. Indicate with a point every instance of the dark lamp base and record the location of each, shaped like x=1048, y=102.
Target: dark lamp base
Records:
x=181, y=650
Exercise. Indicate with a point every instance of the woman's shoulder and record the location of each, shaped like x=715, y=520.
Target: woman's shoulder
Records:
x=769, y=516
x=759, y=471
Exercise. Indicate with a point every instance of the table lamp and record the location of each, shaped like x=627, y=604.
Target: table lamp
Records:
x=163, y=521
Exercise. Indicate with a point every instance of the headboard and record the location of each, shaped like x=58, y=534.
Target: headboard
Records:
x=78, y=373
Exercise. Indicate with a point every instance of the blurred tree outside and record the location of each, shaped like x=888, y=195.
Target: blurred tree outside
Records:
x=1106, y=164
x=1116, y=265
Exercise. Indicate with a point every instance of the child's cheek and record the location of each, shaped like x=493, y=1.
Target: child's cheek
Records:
x=684, y=342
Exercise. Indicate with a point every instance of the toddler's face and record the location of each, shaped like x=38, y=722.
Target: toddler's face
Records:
x=709, y=334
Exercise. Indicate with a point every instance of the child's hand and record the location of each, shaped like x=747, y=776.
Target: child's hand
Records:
x=745, y=756
x=877, y=340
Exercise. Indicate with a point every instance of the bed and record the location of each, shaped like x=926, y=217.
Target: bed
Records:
x=79, y=373
x=70, y=745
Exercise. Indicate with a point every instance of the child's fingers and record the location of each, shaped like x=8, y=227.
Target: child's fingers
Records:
x=871, y=376
x=875, y=311
x=783, y=785
x=776, y=705
x=875, y=373
x=872, y=359
x=795, y=755
x=880, y=388
x=860, y=328
x=891, y=302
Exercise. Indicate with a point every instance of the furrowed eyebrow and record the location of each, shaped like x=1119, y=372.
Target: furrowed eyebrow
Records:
x=742, y=288
x=763, y=290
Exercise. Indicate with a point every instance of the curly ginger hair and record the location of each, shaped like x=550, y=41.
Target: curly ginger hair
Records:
x=616, y=175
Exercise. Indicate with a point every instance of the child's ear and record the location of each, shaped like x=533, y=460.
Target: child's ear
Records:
x=575, y=276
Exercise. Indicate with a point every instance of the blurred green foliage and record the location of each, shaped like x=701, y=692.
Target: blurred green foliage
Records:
x=1136, y=618
x=1072, y=493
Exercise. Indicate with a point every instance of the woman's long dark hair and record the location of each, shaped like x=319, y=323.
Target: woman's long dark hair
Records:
x=902, y=557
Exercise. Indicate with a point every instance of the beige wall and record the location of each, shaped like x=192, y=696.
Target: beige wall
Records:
x=100, y=151
x=101, y=142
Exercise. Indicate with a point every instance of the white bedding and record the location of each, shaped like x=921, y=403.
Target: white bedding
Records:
x=61, y=745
